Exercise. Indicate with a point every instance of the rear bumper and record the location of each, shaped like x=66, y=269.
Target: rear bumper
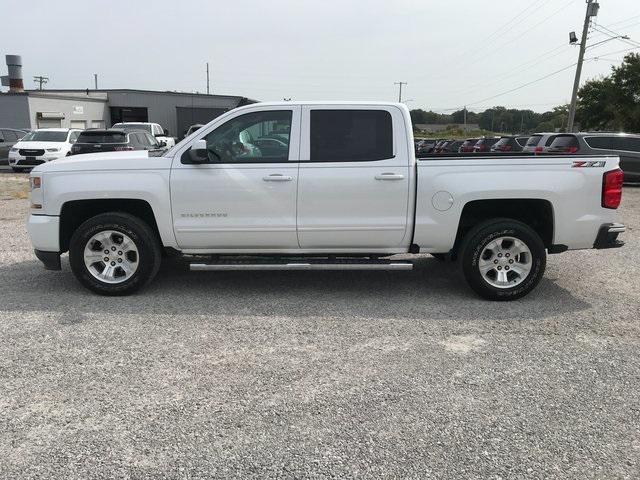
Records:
x=608, y=236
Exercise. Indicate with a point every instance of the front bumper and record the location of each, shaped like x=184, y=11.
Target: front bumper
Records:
x=608, y=236
x=16, y=160
x=44, y=231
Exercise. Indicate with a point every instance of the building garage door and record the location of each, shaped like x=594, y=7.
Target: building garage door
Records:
x=187, y=116
x=80, y=124
x=49, y=122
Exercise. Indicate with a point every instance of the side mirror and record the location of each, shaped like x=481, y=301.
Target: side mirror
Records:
x=198, y=152
x=166, y=132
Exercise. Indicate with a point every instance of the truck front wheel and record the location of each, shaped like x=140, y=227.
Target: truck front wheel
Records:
x=503, y=259
x=114, y=253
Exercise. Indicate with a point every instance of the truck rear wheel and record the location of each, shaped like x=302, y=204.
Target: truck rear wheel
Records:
x=114, y=253
x=503, y=259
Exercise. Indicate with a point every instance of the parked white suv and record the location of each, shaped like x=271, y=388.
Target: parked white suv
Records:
x=41, y=146
x=319, y=186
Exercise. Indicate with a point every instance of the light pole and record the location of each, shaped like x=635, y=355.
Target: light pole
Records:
x=592, y=11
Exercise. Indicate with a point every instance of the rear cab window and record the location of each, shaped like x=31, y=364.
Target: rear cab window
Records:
x=350, y=135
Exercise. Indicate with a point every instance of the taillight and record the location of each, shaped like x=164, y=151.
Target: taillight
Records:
x=539, y=150
x=120, y=149
x=612, y=188
x=571, y=149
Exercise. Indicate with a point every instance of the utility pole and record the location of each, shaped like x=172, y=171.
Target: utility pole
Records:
x=592, y=11
x=95, y=80
x=465, y=117
x=400, y=92
x=41, y=80
x=207, y=78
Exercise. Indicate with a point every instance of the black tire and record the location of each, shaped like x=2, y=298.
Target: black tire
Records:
x=145, y=239
x=480, y=236
x=17, y=170
x=441, y=257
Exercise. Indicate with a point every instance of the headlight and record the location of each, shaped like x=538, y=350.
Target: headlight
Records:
x=35, y=182
x=14, y=150
x=53, y=149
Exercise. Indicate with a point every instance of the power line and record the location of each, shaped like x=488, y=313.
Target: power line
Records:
x=524, y=85
x=503, y=26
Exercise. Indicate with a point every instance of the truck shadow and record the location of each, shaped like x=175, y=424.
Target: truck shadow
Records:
x=431, y=290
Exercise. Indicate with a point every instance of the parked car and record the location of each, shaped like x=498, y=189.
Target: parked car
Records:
x=113, y=140
x=351, y=198
x=510, y=143
x=468, y=144
x=452, y=146
x=438, y=146
x=485, y=144
x=425, y=147
x=625, y=146
x=539, y=142
x=8, y=138
x=155, y=129
x=40, y=146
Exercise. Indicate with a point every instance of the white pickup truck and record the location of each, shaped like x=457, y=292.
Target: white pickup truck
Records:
x=318, y=186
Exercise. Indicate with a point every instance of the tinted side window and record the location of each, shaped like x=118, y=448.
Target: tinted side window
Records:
x=629, y=144
x=565, y=141
x=9, y=136
x=351, y=135
x=534, y=140
x=550, y=140
x=599, y=142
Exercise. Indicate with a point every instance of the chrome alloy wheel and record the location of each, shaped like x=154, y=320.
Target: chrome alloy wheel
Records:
x=111, y=256
x=505, y=262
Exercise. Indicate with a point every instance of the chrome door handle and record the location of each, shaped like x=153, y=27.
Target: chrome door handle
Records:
x=389, y=176
x=277, y=177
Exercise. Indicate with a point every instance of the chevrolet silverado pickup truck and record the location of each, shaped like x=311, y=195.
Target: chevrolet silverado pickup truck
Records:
x=319, y=186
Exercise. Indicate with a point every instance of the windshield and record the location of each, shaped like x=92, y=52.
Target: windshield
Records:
x=102, y=137
x=45, y=136
x=127, y=127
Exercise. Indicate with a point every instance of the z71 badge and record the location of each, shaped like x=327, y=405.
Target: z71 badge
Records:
x=582, y=164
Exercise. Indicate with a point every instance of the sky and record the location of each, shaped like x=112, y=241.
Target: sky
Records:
x=451, y=53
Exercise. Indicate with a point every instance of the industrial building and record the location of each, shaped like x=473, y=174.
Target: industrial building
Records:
x=100, y=108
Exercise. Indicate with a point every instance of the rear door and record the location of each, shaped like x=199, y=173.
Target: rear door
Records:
x=354, y=178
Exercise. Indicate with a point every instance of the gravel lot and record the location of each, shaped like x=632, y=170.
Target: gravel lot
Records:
x=326, y=374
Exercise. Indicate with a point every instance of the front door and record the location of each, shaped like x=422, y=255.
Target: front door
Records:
x=354, y=182
x=245, y=198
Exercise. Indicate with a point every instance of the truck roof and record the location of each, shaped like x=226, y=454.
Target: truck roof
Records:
x=330, y=102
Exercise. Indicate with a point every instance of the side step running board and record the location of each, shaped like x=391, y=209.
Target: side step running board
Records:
x=302, y=266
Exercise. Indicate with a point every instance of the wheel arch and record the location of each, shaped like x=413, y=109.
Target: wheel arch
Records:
x=538, y=214
x=74, y=213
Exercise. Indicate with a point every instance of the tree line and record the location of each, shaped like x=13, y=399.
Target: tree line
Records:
x=608, y=103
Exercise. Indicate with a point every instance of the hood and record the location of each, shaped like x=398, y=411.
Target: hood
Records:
x=41, y=145
x=128, y=160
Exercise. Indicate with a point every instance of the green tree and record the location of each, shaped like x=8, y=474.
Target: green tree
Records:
x=613, y=102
